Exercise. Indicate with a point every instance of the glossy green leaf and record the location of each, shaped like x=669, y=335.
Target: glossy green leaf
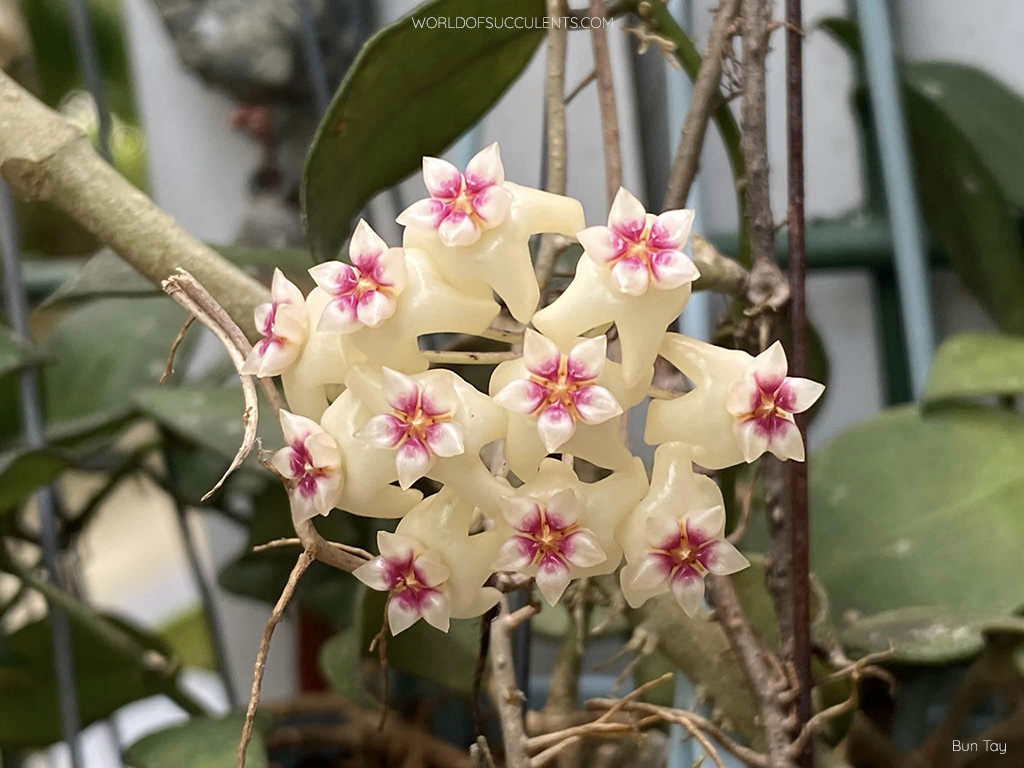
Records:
x=925, y=634
x=987, y=112
x=411, y=92
x=14, y=353
x=23, y=470
x=966, y=210
x=28, y=687
x=199, y=743
x=921, y=510
x=976, y=365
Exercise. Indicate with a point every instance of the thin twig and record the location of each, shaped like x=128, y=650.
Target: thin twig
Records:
x=580, y=86
x=703, y=101
x=305, y=560
x=169, y=368
x=294, y=542
x=507, y=697
x=551, y=753
x=746, y=504
x=606, y=102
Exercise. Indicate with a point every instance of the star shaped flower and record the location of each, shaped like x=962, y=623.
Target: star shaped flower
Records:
x=633, y=273
x=311, y=464
x=676, y=535
x=389, y=297
x=476, y=228
x=432, y=424
x=741, y=406
x=432, y=566
x=283, y=326
x=558, y=528
x=563, y=401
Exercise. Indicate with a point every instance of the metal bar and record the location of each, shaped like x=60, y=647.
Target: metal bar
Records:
x=92, y=73
x=799, y=528
x=314, y=58
x=908, y=239
x=32, y=421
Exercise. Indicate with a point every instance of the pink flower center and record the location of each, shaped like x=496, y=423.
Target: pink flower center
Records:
x=305, y=473
x=416, y=420
x=635, y=245
x=461, y=200
x=561, y=385
x=406, y=584
x=267, y=331
x=771, y=405
x=547, y=537
x=356, y=283
x=681, y=552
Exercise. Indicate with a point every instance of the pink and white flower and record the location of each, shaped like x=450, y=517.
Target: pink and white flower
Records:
x=560, y=390
x=548, y=541
x=641, y=249
x=365, y=293
x=461, y=206
x=415, y=578
x=420, y=426
x=680, y=553
x=310, y=462
x=283, y=326
x=763, y=403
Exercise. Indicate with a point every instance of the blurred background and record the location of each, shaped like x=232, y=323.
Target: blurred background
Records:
x=213, y=103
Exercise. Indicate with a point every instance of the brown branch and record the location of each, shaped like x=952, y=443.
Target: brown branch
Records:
x=169, y=368
x=45, y=158
x=462, y=357
x=507, y=697
x=718, y=273
x=703, y=101
x=606, y=101
x=304, y=561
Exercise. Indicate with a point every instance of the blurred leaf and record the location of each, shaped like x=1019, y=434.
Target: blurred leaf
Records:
x=845, y=32
x=199, y=743
x=106, y=274
x=966, y=210
x=921, y=510
x=988, y=114
x=448, y=659
x=976, y=365
x=341, y=660
x=924, y=634
x=208, y=416
x=105, y=350
x=28, y=689
x=23, y=470
x=409, y=93
x=15, y=353
x=188, y=636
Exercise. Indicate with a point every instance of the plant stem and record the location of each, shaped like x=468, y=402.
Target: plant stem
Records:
x=46, y=158
x=798, y=501
x=507, y=697
x=606, y=100
x=704, y=99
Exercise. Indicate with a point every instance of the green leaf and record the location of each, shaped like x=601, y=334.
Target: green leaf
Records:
x=988, y=113
x=207, y=415
x=104, y=351
x=23, y=470
x=921, y=510
x=341, y=660
x=976, y=365
x=966, y=210
x=845, y=32
x=410, y=92
x=188, y=635
x=925, y=634
x=14, y=353
x=199, y=743
x=28, y=687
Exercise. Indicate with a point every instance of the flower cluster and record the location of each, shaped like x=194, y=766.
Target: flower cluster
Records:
x=368, y=417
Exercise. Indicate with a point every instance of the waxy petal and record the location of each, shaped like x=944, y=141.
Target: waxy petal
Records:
x=552, y=578
x=412, y=460
x=485, y=169
x=436, y=610
x=671, y=229
x=402, y=392
x=284, y=291
x=424, y=214
x=601, y=243
x=688, y=590
x=583, y=550
x=335, y=277
x=540, y=355
x=430, y=568
x=520, y=396
x=396, y=548
x=787, y=442
x=270, y=358
x=771, y=365
x=630, y=276
x=662, y=532
x=722, y=558
x=672, y=269
x=555, y=425
x=375, y=574
x=705, y=525
x=586, y=359
x=373, y=308
x=438, y=396
x=340, y=316
x=752, y=438
x=323, y=450
x=515, y=554
x=492, y=206
x=522, y=513
x=295, y=427
x=365, y=247
x=402, y=613
x=390, y=270
x=563, y=509
x=384, y=431
x=798, y=394
x=441, y=178
x=458, y=228
x=627, y=215
x=596, y=404
x=652, y=574
x=282, y=462
x=445, y=439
